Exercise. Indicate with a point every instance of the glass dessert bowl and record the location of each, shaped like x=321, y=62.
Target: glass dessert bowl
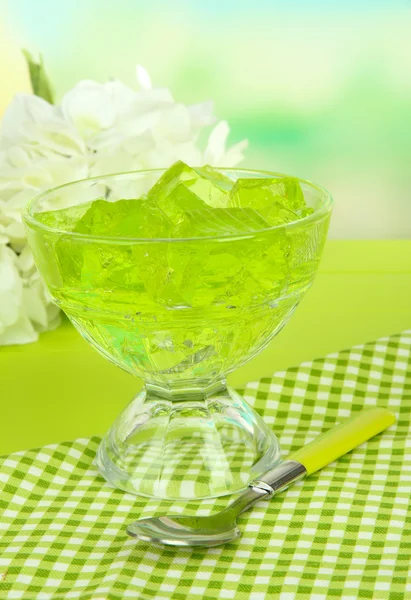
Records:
x=181, y=308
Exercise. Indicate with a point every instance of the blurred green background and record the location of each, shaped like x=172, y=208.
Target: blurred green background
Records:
x=321, y=89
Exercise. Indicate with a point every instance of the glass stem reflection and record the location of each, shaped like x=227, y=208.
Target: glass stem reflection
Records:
x=181, y=391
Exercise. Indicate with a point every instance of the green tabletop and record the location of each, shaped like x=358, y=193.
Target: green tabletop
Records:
x=61, y=389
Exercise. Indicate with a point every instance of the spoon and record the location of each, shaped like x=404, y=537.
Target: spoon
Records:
x=220, y=528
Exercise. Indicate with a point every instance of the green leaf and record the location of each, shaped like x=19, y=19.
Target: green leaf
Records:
x=39, y=80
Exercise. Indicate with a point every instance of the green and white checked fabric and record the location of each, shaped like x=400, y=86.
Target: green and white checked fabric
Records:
x=345, y=532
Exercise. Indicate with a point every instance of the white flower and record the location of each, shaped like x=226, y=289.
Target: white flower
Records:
x=98, y=129
x=25, y=307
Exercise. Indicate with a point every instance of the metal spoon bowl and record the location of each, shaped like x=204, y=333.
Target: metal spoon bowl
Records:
x=185, y=531
x=220, y=528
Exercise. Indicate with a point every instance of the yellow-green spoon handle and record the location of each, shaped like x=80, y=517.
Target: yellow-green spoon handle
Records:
x=342, y=438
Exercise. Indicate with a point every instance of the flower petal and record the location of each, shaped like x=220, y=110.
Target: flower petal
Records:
x=48, y=139
x=140, y=123
x=18, y=157
x=23, y=110
x=53, y=317
x=19, y=332
x=66, y=170
x=89, y=106
x=143, y=78
x=174, y=124
x=34, y=304
x=202, y=114
x=216, y=143
x=25, y=261
x=234, y=155
x=149, y=100
x=117, y=161
x=16, y=234
x=122, y=96
x=4, y=239
x=18, y=201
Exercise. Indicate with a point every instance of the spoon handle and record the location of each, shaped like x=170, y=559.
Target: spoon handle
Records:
x=343, y=438
x=326, y=448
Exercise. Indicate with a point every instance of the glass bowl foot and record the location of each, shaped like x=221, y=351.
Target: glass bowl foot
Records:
x=188, y=445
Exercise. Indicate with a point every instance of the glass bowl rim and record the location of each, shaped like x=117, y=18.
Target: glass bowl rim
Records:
x=322, y=210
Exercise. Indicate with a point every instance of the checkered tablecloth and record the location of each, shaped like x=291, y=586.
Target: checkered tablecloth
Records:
x=345, y=532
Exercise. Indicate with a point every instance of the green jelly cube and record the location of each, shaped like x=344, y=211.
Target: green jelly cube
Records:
x=169, y=271
x=185, y=261
x=180, y=200
x=306, y=212
x=218, y=273
x=94, y=266
x=153, y=272
x=97, y=265
x=221, y=221
x=65, y=219
x=269, y=265
x=277, y=214
x=262, y=193
x=124, y=218
x=174, y=175
x=184, y=188
x=213, y=187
